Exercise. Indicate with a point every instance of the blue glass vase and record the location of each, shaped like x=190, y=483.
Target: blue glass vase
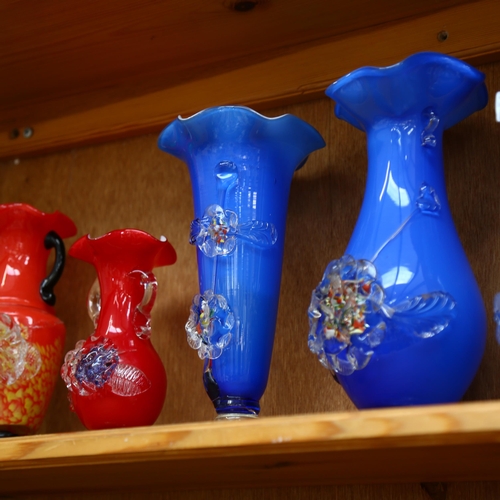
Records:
x=399, y=319
x=241, y=166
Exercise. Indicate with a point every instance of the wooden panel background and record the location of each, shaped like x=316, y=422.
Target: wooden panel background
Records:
x=123, y=96
x=133, y=184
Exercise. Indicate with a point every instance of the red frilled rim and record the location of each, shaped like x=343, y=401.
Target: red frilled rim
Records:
x=23, y=214
x=131, y=248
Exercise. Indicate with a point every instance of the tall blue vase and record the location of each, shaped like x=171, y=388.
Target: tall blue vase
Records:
x=241, y=166
x=399, y=319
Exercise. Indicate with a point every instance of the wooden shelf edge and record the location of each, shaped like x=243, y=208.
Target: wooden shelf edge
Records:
x=304, y=74
x=428, y=443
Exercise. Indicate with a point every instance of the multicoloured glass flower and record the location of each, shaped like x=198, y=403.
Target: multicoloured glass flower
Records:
x=209, y=325
x=90, y=367
x=19, y=359
x=349, y=316
x=340, y=334
x=217, y=231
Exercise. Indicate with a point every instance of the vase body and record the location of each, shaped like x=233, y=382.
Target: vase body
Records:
x=115, y=378
x=408, y=326
x=31, y=336
x=241, y=166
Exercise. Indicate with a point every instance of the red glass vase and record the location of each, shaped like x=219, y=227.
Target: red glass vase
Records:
x=115, y=378
x=31, y=336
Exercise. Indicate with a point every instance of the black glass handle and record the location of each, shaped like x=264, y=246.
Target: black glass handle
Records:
x=53, y=240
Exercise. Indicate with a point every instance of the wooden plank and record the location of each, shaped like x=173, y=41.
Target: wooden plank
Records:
x=350, y=447
x=71, y=53
x=290, y=77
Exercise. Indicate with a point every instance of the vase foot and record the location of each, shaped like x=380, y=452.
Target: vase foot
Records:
x=235, y=416
x=230, y=408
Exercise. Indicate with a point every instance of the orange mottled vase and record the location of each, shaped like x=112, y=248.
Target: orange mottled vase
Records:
x=31, y=336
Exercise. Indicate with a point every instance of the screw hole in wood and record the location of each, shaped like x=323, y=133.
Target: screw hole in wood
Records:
x=442, y=36
x=241, y=5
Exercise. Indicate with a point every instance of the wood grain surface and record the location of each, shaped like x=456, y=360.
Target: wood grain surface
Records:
x=130, y=183
x=91, y=73
x=388, y=445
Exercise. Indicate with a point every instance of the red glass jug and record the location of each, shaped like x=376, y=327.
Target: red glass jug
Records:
x=31, y=336
x=115, y=378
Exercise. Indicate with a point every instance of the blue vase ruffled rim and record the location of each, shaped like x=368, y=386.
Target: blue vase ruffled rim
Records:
x=452, y=88
x=237, y=123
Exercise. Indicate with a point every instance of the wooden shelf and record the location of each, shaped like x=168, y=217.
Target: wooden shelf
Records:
x=80, y=73
x=423, y=444
x=92, y=72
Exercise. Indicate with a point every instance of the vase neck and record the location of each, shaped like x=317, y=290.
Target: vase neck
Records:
x=23, y=260
x=401, y=156
x=122, y=295
x=405, y=166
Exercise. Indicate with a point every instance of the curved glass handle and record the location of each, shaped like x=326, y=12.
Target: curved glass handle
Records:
x=142, y=316
x=53, y=240
x=94, y=302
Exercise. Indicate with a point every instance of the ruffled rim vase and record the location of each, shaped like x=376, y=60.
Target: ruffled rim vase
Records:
x=241, y=165
x=399, y=319
x=115, y=378
x=31, y=336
